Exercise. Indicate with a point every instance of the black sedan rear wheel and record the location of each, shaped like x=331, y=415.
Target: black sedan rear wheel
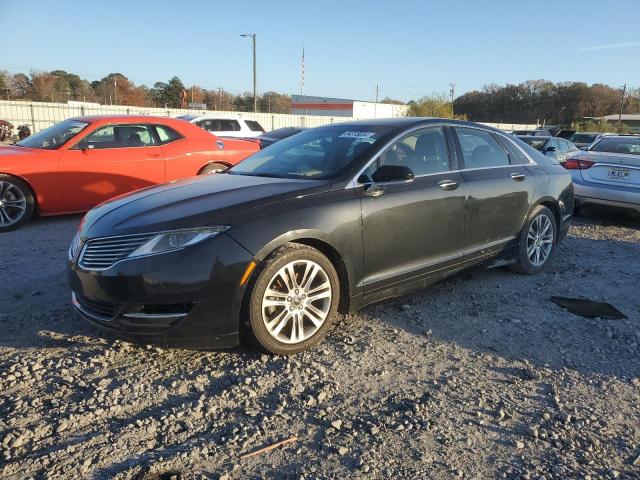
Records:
x=16, y=203
x=294, y=300
x=537, y=241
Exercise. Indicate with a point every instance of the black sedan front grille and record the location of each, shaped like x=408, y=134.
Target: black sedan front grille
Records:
x=102, y=253
x=97, y=308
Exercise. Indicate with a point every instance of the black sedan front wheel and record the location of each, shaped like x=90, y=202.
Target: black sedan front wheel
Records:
x=294, y=300
x=537, y=241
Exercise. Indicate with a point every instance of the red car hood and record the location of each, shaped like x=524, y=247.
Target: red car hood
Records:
x=13, y=152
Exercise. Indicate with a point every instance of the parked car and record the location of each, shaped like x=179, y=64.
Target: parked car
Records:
x=328, y=220
x=226, y=127
x=583, y=139
x=607, y=173
x=534, y=133
x=273, y=136
x=81, y=162
x=553, y=147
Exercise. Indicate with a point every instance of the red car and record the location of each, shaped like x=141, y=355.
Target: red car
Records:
x=81, y=162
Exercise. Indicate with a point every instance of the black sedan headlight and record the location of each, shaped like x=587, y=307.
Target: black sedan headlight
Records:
x=175, y=240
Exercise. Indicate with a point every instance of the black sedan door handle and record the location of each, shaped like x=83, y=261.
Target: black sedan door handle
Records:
x=518, y=177
x=448, y=184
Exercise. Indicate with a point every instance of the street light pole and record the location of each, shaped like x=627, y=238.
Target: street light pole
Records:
x=624, y=90
x=255, y=98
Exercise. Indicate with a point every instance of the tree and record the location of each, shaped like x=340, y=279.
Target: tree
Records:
x=273, y=102
x=168, y=94
x=21, y=86
x=44, y=86
x=4, y=80
x=543, y=101
x=117, y=85
x=600, y=125
x=392, y=101
x=435, y=105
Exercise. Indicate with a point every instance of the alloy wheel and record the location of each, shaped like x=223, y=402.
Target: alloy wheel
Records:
x=540, y=240
x=297, y=301
x=13, y=204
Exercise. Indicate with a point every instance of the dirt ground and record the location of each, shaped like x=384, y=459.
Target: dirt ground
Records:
x=480, y=376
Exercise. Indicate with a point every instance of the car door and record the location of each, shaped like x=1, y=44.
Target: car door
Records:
x=411, y=228
x=109, y=161
x=499, y=190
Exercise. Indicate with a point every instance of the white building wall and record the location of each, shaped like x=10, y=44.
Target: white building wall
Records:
x=364, y=110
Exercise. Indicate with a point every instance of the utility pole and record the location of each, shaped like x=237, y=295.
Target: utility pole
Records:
x=302, y=73
x=375, y=105
x=624, y=90
x=115, y=89
x=255, y=98
x=452, y=91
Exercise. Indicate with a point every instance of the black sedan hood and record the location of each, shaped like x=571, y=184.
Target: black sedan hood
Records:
x=194, y=202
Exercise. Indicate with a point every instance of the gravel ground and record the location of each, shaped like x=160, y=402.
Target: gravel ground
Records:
x=480, y=376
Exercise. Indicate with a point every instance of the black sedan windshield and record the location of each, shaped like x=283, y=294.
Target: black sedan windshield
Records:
x=320, y=153
x=54, y=136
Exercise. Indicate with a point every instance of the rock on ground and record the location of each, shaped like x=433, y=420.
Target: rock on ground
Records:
x=480, y=376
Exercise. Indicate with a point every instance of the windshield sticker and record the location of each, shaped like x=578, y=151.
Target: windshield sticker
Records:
x=357, y=134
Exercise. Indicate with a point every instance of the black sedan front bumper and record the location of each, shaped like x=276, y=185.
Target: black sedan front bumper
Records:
x=189, y=298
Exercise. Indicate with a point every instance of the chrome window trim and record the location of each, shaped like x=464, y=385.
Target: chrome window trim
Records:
x=354, y=181
x=529, y=157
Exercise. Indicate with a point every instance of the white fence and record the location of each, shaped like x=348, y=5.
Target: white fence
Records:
x=40, y=115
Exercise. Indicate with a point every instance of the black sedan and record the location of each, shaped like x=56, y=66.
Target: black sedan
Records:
x=325, y=221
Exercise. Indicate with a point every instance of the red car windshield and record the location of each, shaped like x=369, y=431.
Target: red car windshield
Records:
x=54, y=136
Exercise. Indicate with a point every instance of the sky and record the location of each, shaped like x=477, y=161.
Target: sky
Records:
x=407, y=48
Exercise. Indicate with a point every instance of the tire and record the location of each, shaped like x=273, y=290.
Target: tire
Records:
x=541, y=219
x=288, y=321
x=212, y=168
x=16, y=203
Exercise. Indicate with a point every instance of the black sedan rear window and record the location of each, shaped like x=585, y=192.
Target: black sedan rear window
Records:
x=624, y=145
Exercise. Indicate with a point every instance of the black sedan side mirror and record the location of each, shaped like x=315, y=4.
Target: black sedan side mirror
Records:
x=392, y=173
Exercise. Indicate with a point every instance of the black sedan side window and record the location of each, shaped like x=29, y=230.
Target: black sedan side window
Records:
x=424, y=152
x=480, y=149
